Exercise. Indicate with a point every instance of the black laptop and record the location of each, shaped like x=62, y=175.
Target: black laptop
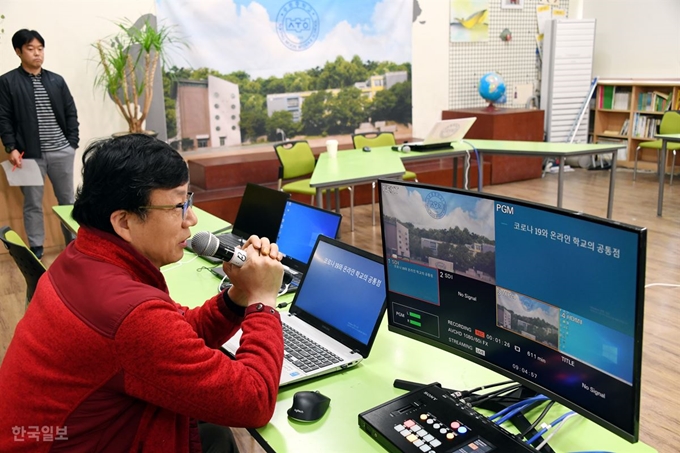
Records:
x=259, y=213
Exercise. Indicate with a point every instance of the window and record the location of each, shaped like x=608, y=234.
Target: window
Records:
x=217, y=117
x=293, y=102
x=202, y=142
x=233, y=128
x=217, y=106
x=223, y=141
x=217, y=128
x=233, y=106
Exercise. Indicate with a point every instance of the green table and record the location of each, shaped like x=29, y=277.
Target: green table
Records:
x=350, y=167
x=665, y=138
x=370, y=383
x=354, y=167
x=554, y=150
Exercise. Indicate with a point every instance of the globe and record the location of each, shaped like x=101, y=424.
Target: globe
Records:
x=492, y=88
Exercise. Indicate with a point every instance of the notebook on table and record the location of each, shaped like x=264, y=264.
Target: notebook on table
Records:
x=442, y=135
x=300, y=225
x=259, y=213
x=336, y=311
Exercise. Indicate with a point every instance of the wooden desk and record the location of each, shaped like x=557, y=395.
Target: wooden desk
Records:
x=506, y=124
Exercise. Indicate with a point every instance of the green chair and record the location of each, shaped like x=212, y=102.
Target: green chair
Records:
x=29, y=265
x=670, y=124
x=297, y=164
x=373, y=140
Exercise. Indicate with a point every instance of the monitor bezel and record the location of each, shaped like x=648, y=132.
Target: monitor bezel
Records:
x=639, y=306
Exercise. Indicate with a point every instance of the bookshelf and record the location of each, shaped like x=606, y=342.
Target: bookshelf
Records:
x=628, y=111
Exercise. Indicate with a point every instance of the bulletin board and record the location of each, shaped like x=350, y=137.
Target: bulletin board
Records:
x=517, y=60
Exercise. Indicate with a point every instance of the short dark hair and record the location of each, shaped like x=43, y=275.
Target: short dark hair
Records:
x=24, y=36
x=121, y=173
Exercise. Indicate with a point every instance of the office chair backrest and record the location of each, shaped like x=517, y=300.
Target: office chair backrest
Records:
x=296, y=158
x=670, y=123
x=29, y=265
x=373, y=139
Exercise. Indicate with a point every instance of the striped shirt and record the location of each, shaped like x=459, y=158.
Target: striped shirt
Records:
x=52, y=138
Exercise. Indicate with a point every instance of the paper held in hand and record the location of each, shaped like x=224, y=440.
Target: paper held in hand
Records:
x=28, y=175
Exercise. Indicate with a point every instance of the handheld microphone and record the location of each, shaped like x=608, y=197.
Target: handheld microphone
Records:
x=205, y=243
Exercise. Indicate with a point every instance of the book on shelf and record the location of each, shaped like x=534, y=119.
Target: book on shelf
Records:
x=611, y=97
x=645, y=126
x=621, y=100
x=653, y=101
x=606, y=96
x=624, y=127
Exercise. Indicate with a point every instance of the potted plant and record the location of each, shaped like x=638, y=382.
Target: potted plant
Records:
x=127, y=65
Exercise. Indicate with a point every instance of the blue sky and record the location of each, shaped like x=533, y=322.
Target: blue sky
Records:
x=241, y=35
x=475, y=214
x=354, y=12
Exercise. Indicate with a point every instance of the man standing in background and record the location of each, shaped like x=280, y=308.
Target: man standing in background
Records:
x=38, y=120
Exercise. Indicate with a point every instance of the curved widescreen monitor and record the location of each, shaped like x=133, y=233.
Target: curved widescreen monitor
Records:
x=550, y=298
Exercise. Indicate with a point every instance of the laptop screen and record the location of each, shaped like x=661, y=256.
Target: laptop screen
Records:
x=344, y=288
x=300, y=226
x=260, y=212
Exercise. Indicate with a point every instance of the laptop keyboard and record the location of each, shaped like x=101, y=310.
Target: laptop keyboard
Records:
x=305, y=353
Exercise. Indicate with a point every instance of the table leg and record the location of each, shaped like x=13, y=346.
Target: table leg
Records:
x=373, y=201
x=455, y=172
x=337, y=199
x=612, y=180
x=328, y=198
x=319, y=198
x=480, y=172
x=662, y=176
x=560, y=182
x=351, y=210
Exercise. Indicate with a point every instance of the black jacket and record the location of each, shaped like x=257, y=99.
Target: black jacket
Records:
x=18, y=116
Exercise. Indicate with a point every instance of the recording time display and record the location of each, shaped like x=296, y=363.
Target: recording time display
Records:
x=524, y=371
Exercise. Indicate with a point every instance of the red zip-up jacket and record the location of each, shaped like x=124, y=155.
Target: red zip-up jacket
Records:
x=104, y=360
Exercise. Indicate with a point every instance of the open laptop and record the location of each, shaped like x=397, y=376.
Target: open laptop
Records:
x=259, y=213
x=339, y=306
x=299, y=227
x=442, y=134
x=301, y=224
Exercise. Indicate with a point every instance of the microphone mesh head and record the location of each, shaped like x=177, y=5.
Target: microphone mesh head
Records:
x=205, y=243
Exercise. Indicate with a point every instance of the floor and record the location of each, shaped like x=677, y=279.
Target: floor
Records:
x=635, y=203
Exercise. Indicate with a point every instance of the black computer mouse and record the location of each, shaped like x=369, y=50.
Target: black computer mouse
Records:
x=367, y=149
x=308, y=406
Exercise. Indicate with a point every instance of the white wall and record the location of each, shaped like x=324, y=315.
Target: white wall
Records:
x=69, y=27
x=636, y=39
x=430, y=65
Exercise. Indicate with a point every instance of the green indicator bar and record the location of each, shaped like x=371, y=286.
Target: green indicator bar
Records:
x=415, y=323
x=414, y=315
